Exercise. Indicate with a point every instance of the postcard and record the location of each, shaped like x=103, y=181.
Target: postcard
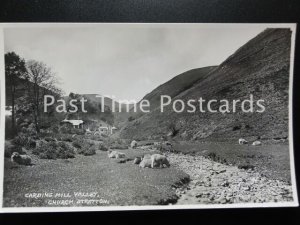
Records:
x=135, y=116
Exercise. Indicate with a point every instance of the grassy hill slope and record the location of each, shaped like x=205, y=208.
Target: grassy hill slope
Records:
x=260, y=67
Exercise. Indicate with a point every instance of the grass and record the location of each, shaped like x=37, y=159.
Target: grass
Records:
x=118, y=183
x=270, y=160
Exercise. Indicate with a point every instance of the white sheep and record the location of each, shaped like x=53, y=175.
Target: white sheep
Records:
x=256, y=143
x=242, y=141
x=116, y=154
x=21, y=159
x=158, y=160
x=133, y=144
x=146, y=161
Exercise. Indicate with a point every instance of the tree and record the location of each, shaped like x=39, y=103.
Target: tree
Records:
x=42, y=81
x=14, y=70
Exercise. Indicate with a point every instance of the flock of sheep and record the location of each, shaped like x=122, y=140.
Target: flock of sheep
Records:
x=147, y=161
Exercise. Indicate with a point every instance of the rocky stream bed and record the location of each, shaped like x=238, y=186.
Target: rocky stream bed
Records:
x=216, y=183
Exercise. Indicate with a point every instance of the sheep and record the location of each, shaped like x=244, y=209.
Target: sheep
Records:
x=158, y=160
x=256, y=143
x=154, y=161
x=146, y=161
x=133, y=144
x=116, y=154
x=21, y=159
x=137, y=160
x=242, y=141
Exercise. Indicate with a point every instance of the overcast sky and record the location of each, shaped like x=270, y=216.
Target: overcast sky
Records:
x=127, y=61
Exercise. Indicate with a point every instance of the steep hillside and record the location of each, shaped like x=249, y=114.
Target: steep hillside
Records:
x=260, y=68
x=173, y=87
x=178, y=84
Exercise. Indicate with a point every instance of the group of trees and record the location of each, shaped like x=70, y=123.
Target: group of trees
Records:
x=26, y=83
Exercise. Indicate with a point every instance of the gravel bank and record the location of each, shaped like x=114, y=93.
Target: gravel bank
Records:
x=216, y=183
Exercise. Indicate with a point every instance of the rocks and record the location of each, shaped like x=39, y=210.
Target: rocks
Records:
x=216, y=183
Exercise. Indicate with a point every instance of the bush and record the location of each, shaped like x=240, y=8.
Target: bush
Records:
x=87, y=150
x=54, y=150
x=103, y=147
x=118, y=144
x=65, y=151
x=96, y=137
x=24, y=140
x=84, y=147
x=66, y=129
x=77, y=144
x=20, y=140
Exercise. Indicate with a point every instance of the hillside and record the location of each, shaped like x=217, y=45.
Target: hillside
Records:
x=260, y=67
x=178, y=84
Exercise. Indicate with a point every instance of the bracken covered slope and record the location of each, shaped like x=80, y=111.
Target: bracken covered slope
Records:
x=260, y=67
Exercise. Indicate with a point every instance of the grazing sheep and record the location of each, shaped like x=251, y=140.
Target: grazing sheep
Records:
x=115, y=154
x=146, y=161
x=256, y=143
x=21, y=159
x=133, y=144
x=137, y=160
x=158, y=160
x=242, y=141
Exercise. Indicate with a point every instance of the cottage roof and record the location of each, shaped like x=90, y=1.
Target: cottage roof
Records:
x=73, y=122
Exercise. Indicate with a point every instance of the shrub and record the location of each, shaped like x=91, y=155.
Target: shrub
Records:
x=96, y=137
x=66, y=129
x=54, y=150
x=65, y=151
x=84, y=147
x=20, y=140
x=49, y=139
x=24, y=140
x=118, y=144
x=87, y=150
x=103, y=147
x=77, y=144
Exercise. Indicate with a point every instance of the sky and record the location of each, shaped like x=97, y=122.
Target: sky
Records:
x=127, y=61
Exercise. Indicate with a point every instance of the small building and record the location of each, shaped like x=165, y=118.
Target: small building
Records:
x=74, y=123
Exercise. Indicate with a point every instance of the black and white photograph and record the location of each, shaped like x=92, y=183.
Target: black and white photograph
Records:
x=112, y=116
